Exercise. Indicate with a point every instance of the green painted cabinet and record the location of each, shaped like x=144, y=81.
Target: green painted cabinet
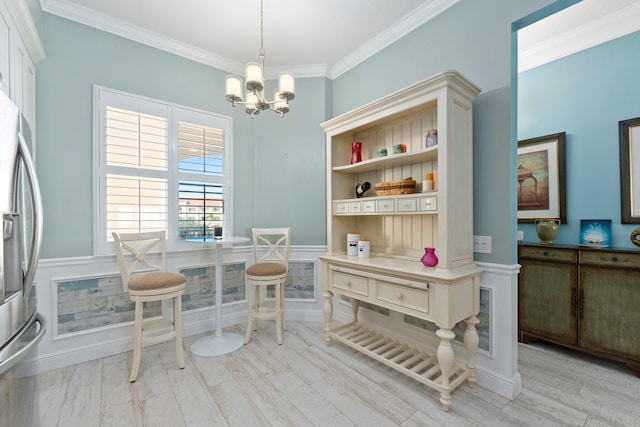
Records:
x=583, y=298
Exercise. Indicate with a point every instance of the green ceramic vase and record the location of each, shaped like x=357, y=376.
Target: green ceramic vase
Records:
x=547, y=229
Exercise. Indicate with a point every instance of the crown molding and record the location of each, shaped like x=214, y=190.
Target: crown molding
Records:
x=307, y=70
x=91, y=18
x=606, y=28
x=100, y=21
x=410, y=22
x=26, y=29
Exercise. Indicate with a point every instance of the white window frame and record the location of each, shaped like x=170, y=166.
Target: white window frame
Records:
x=103, y=96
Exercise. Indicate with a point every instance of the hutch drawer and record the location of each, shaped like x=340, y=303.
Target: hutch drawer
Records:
x=407, y=205
x=403, y=296
x=351, y=283
x=427, y=204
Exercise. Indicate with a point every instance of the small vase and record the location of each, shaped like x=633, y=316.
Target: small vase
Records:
x=356, y=152
x=429, y=258
x=635, y=237
x=547, y=229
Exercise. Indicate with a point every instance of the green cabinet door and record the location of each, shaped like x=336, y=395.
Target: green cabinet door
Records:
x=610, y=312
x=547, y=288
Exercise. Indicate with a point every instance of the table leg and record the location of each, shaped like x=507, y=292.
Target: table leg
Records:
x=445, y=360
x=355, y=305
x=328, y=314
x=471, y=341
x=219, y=343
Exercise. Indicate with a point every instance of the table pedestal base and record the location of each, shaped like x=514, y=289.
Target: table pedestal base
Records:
x=217, y=345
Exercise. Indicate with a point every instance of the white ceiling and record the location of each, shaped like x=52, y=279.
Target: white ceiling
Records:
x=320, y=37
x=581, y=26
x=314, y=37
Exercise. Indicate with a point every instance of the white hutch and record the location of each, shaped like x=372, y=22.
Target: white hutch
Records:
x=399, y=228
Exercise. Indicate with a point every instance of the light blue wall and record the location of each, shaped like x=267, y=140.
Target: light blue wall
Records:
x=279, y=164
x=585, y=95
x=281, y=188
x=473, y=37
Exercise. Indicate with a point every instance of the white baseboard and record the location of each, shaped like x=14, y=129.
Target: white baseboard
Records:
x=505, y=387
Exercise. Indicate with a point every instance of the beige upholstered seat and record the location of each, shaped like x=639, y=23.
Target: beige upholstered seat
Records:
x=271, y=254
x=155, y=283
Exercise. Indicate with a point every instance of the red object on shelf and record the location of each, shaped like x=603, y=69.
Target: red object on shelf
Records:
x=356, y=152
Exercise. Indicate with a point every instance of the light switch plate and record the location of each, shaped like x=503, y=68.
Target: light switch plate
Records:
x=482, y=244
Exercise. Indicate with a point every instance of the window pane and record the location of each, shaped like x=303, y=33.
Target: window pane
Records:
x=200, y=208
x=201, y=149
x=135, y=140
x=136, y=204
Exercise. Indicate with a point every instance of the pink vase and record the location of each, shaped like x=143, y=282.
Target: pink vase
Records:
x=429, y=258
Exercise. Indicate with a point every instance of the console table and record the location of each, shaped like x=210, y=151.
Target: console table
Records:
x=409, y=288
x=581, y=297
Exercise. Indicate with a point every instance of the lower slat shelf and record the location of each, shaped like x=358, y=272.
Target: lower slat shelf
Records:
x=416, y=363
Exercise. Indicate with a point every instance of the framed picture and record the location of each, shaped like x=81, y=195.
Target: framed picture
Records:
x=595, y=232
x=630, y=171
x=542, y=188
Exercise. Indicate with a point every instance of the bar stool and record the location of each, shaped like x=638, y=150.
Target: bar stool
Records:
x=156, y=284
x=271, y=254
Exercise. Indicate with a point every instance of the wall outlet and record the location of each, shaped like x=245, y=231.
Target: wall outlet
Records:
x=482, y=244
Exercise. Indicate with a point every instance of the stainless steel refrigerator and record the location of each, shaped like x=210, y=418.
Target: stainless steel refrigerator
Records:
x=21, y=327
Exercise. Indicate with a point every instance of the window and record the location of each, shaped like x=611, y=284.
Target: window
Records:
x=159, y=166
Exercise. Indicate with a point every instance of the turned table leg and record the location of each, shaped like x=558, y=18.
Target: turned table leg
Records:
x=328, y=315
x=471, y=341
x=445, y=360
x=355, y=305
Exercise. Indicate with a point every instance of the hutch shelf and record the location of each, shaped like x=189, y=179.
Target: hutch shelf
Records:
x=399, y=228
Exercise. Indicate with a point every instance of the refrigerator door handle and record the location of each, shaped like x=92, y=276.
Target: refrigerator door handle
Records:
x=21, y=349
x=36, y=200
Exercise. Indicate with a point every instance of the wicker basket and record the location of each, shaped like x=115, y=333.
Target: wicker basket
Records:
x=395, y=188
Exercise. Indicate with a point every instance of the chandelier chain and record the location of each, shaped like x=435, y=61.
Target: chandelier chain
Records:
x=261, y=51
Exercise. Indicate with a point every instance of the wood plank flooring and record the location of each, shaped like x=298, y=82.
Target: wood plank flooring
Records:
x=305, y=383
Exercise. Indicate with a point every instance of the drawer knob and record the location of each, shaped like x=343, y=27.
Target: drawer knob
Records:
x=348, y=284
x=399, y=295
x=614, y=259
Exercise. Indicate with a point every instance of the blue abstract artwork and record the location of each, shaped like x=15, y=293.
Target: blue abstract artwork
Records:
x=595, y=232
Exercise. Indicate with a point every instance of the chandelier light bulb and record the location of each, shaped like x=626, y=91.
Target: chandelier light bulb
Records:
x=251, y=106
x=233, y=88
x=280, y=104
x=255, y=79
x=287, y=86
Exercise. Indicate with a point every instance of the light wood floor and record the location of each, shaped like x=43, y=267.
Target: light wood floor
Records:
x=305, y=383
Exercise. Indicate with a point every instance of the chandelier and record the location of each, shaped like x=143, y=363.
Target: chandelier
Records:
x=254, y=75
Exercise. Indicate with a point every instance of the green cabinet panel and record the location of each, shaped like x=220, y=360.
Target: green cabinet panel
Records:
x=544, y=288
x=610, y=321
x=584, y=298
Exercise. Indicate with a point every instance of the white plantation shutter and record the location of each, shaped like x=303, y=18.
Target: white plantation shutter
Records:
x=201, y=149
x=137, y=171
x=158, y=166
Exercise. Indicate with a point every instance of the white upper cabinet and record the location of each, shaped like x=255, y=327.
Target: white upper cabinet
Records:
x=20, y=51
x=401, y=225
